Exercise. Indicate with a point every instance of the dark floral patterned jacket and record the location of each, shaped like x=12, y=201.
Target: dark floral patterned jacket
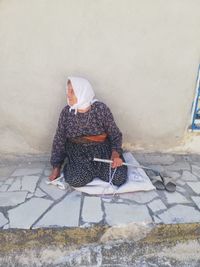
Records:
x=97, y=120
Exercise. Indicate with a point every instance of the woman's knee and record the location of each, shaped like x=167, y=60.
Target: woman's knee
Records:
x=78, y=181
x=119, y=180
x=120, y=177
x=77, y=177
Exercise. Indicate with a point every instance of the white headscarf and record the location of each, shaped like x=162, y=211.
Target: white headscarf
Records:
x=83, y=91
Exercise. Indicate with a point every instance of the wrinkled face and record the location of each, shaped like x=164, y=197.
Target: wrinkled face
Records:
x=71, y=97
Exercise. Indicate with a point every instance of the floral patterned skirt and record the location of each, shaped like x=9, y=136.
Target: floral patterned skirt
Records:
x=80, y=169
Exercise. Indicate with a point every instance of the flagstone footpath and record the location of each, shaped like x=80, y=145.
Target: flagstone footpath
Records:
x=27, y=202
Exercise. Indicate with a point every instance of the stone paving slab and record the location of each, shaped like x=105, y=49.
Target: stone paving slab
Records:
x=188, y=176
x=26, y=171
x=26, y=201
x=6, y=171
x=177, y=166
x=174, y=175
x=92, y=210
x=180, y=214
x=3, y=220
x=4, y=187
x=9, y=181
x=157, y=205
x=27, y=213
x=64, y=214
x=29, y=183
x=180, y=189
x=153, y=158
x=16, y=185
x=180, y=182
x=12, y=198
x=196, y=201
x=51, y=190
x=140, y=197
x=196, y=170
x=117, y=214
x=39, y=193
x=195, y=187
x=173, y=198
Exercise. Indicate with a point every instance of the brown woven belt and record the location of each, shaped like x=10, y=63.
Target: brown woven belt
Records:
x=88, y=139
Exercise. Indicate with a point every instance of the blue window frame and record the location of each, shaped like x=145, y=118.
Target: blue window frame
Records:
x=195, y=121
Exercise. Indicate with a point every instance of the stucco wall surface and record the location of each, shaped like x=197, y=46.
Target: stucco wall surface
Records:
x=140, y=56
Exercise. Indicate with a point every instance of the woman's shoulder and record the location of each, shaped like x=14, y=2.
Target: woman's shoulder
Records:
x=98, y=105
x=65, y=110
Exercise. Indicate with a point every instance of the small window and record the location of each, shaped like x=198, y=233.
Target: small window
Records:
x=195, y=120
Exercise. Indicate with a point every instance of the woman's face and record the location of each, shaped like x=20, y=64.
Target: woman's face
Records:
x=71, y=97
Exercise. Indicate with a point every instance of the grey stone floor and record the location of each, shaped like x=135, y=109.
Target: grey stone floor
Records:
x=27, y=202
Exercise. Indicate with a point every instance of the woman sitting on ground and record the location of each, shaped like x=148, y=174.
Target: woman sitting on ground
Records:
x=86, y=129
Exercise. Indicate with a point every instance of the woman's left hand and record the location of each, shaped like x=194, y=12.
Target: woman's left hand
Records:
x=117, y=161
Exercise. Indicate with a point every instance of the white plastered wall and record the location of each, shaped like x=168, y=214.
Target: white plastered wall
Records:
x=140, y=56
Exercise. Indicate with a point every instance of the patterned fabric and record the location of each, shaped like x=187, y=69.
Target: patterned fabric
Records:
x=79, y=168
x=97, y=120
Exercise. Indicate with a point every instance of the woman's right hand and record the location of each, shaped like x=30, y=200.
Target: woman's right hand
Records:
x=55, y=173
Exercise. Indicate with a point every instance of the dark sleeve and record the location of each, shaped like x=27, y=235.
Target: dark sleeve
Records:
x=58, y=147
x=114, y=134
